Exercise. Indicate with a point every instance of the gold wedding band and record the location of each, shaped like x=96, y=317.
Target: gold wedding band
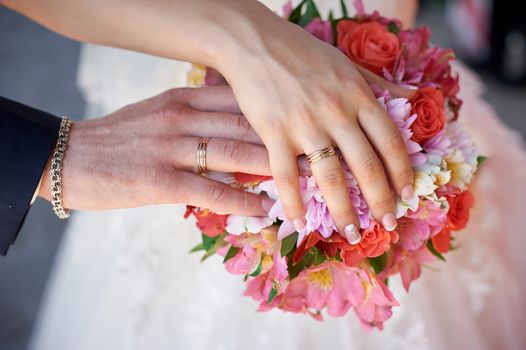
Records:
x=201, y=155
x=320, y=154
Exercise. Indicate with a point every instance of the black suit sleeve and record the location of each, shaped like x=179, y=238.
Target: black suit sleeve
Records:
x=27, y=137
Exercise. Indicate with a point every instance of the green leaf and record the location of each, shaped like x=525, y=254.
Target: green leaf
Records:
x=211, y=245
x=208, y=242
x=311, y=12
x=393, y=28
x=197, y=248
x=288, y=243
x=232, y=251
x=434, y=251
x=318, y=257
x=295, y=15
x=294, y=270
x=258, y=269
x=481, y=160
x=273, y=293
x=331, y=16
x=378, y=263
x=344, y=9
x=208, y=254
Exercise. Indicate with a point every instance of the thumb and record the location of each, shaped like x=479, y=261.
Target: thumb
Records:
x=373, y=79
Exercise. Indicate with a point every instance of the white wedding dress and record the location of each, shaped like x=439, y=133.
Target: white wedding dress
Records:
x=124, y=279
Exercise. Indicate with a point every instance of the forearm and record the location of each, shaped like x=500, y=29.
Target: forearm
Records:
x=198, y=30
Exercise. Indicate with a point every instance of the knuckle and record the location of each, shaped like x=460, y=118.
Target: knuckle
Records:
x=394, y=142
x=235, y=152
x=168, y=111
x=172, y=94
x=293, y=209
x=219, y=194
x=284, y=180
x=371, y=168
x=384, y=202
x=333, y=179
x=243, y=125
x=159, y=176
x=342, y=213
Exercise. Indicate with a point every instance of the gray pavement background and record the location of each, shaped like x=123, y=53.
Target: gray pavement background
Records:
x=38, y=68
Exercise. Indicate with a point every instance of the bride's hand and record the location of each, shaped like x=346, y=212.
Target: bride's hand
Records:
x=145, y=154
x=302, y=95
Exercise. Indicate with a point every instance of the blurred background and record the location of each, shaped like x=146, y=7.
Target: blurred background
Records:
x=38, y=68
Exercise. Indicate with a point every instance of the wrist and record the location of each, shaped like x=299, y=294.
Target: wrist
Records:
x=44, y=191
x=245, y=28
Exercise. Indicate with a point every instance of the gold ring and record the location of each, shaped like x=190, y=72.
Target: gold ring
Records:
x=201, y=155
x=320, y=154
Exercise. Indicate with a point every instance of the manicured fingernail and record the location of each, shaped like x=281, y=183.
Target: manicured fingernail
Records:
x=352, y=234
x=267, y=204
x=389, y=222
x=407, y=192
x=299, y=224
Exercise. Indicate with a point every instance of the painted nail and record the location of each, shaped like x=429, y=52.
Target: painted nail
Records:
x=267, y=204
x=299, y=224
x=407, y=192
x=389, y=222
x=352, y=234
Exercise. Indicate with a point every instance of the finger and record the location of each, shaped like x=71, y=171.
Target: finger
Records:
x=222, y=155
x=367, y=168
x=220, y=198
x=373, y=79
x=221, y=125
x=283, y=163
x=390, y=146
x=210, y=99
x=332, y=182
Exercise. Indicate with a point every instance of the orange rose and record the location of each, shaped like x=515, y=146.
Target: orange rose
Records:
x=459, y=206
x=375, y=241
x=368, y=44
x=428, y=105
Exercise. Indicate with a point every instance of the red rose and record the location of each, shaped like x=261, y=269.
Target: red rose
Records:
x=441, y=241
x=368, y=44
x=428, y=105
x=459, y=206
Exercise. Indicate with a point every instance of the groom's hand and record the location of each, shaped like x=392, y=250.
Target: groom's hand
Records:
x=145, y=154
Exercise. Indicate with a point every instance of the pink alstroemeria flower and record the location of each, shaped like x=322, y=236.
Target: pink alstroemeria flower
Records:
x=413, y=233
x=417, y=227
x=330, y=285
x=409, y=264
x=376, y=307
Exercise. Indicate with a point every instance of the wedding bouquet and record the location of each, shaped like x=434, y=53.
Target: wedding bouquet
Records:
x=318, y=269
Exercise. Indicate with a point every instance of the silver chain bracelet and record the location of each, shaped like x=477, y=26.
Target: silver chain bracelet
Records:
x=56, y=168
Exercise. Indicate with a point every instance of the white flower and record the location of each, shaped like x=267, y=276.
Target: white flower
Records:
x=237, y=224
x=461, y=172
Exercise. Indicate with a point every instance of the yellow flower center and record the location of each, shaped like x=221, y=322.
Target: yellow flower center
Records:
x=322, y=279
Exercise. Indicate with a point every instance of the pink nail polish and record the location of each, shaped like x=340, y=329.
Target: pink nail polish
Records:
x=299, y=224
x=352, y=235
x=407, y=192
x=267, y=204
x=389, y=222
